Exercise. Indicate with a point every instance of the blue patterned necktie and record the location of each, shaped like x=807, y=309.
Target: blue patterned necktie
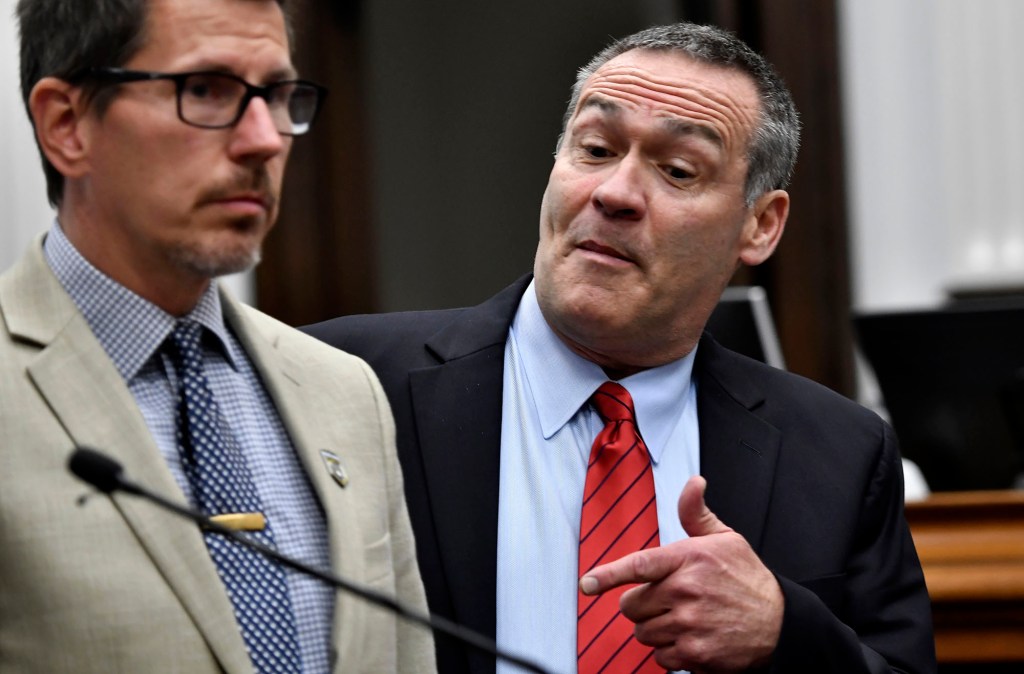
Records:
x=221, y=483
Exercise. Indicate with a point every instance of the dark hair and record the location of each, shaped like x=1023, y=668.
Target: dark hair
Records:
x=773, y=146
x=66, y=38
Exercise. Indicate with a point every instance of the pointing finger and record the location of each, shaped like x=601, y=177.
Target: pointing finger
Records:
x=645, y=566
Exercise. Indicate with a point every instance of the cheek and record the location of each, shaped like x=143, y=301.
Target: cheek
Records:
x=702, y=232
x=684, y=252
x=173, y=167
x=552, y=218
x=567, y=195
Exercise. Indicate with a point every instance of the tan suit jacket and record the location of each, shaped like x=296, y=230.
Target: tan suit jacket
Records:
x=118, y=585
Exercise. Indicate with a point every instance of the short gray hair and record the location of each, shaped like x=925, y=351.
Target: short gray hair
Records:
x=771, y=154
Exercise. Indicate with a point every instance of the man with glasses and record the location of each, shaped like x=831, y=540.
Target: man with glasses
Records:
x=164, y=127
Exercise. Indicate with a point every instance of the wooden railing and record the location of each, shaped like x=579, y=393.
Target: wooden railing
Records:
x=971, y=546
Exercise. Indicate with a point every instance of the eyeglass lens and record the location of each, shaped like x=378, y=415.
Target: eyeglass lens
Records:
x=212, y=100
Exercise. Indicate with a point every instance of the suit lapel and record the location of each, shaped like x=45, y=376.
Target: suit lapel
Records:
x=460, y=441
x=309, y=434
x=93, y=404
x=738, y=450
x=457, y=406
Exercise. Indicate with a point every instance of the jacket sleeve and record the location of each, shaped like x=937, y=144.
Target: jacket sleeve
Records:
x=884, y=618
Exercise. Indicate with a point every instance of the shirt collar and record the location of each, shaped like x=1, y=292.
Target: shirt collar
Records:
x=129, y=328
x=562, y=382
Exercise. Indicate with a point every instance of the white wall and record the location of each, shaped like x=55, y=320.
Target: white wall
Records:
x=934, y=103
x=23, y=204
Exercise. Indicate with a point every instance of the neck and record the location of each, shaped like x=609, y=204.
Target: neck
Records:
x=145, y=273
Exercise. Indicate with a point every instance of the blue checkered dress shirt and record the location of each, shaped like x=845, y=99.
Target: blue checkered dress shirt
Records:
x=131, y=331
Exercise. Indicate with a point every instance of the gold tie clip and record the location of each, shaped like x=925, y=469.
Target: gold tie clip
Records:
x=241, y=521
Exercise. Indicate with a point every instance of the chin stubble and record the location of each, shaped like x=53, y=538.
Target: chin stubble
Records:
x=219, y=262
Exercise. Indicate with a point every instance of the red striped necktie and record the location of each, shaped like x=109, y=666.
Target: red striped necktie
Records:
x=619, y=517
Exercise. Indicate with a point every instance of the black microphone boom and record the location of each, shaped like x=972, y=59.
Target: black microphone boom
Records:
x=105, y=474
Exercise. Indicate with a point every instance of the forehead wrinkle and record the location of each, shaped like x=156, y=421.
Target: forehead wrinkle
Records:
x=698, y=100
x=666, y=86
x=608, y=107
x=673, y=125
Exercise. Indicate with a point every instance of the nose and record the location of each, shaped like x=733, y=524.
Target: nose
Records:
x=621, y=193
x=255, y=137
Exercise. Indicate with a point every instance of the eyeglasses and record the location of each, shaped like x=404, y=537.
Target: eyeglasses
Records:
x=213, y=100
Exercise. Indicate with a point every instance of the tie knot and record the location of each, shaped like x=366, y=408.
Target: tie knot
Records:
x=186, y=336
x=184, y=343
x=613, y=402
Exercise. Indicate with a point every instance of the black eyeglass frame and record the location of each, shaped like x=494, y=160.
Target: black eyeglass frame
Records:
x=123, y=76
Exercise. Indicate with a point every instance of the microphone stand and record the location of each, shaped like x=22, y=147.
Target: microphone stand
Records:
x=105, y=474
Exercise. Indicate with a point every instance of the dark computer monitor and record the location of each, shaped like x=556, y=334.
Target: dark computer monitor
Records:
x=952, y=380
x=742, y=321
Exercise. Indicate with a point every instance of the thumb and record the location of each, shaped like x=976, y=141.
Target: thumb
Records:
x=694, y=515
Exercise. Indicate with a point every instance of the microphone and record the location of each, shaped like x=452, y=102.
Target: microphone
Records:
x=106, y=475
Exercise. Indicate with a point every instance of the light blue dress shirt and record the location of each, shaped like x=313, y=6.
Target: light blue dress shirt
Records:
x=131, y=330
x=547, y=429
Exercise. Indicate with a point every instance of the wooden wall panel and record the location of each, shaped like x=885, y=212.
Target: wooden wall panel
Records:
x=808, y=278
x=318, y=262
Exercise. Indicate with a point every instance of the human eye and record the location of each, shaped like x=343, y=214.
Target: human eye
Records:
x=591, y=147
x=280, y=94
x=210, y=88
x=677, y=172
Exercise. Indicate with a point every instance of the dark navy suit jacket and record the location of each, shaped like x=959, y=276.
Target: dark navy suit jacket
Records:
x=812, y=480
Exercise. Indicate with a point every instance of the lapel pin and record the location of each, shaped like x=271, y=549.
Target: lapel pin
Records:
x=334, y=467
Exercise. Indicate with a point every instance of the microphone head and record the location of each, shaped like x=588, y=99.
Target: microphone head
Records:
x=96, y=468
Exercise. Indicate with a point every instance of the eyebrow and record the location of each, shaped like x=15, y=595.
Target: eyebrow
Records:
x=676, y=127
x=276, y=75
x=289, y=73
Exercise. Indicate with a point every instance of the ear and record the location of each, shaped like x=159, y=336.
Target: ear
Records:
x=58, y=112
x=764, y=228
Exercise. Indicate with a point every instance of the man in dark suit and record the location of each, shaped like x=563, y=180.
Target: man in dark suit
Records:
x=677, y=145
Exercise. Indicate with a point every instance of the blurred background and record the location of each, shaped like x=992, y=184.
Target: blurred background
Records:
x=420, y=185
